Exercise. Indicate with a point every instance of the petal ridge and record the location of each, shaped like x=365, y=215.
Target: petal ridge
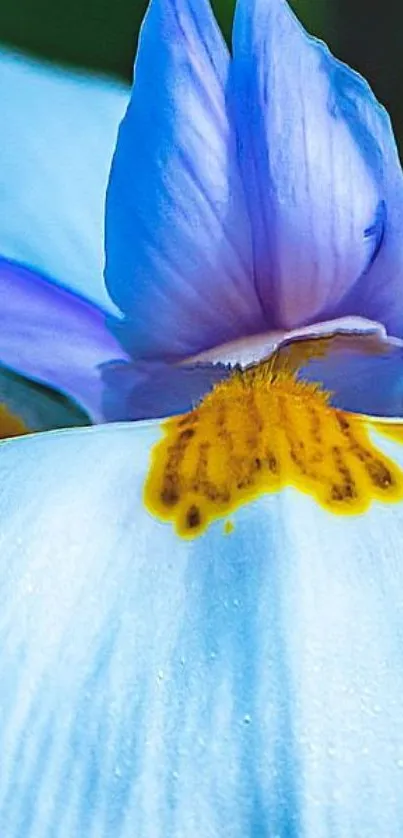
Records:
x=320, y=149
x=178, y=239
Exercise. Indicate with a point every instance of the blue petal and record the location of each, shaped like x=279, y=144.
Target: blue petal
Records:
x=319, y=158
x=379, y=292
x=58, y=131
x=158, y=688
x=151, y=390
x=55, y=337
x=363, y=375
x=178, y=236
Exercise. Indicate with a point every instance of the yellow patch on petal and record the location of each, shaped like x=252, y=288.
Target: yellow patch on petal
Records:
x=258, y=432
x=11, y=424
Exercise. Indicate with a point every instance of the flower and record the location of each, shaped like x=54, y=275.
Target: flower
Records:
x=225, y=209
x=234, y=668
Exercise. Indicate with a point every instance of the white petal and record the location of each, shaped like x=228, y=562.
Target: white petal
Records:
x=161, y=688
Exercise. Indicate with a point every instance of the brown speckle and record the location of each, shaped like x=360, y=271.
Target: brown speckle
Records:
x=193, y=517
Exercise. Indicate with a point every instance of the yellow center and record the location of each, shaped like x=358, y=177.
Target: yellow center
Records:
x=257, y=432
x=11, y=424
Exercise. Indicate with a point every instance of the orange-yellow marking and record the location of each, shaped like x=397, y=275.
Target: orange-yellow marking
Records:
x=258, y=432
x=228, y=527
x=11, y=424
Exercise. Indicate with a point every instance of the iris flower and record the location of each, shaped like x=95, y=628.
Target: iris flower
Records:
x=202, y=617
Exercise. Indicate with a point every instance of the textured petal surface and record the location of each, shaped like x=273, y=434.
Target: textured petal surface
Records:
x=318, y=160
x=55, y=337
x=379, y=292
x=177, y=234
x=58, y=133
x=162, y=688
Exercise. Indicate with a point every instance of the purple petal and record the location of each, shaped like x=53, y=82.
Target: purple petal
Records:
x=315, y=146
x=178, y=240
x=54, y=337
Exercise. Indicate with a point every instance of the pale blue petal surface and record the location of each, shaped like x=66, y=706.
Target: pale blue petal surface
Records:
x=319, y=161
x=158, y=688
x=57, y=135
x=177, y=233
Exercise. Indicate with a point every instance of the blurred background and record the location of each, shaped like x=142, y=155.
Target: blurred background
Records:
x=101, y=35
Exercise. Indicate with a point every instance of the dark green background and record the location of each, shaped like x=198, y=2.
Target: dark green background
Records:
x=101, y=34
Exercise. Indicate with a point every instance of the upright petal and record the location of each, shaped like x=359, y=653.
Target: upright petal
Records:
x=160, y=688
x=177, y=234
x=54, y=337
x=318, y=160
x=58, y=132
x=379, y=292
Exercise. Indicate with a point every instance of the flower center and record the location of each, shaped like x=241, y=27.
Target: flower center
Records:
x=11, y=424
x=258, y=432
